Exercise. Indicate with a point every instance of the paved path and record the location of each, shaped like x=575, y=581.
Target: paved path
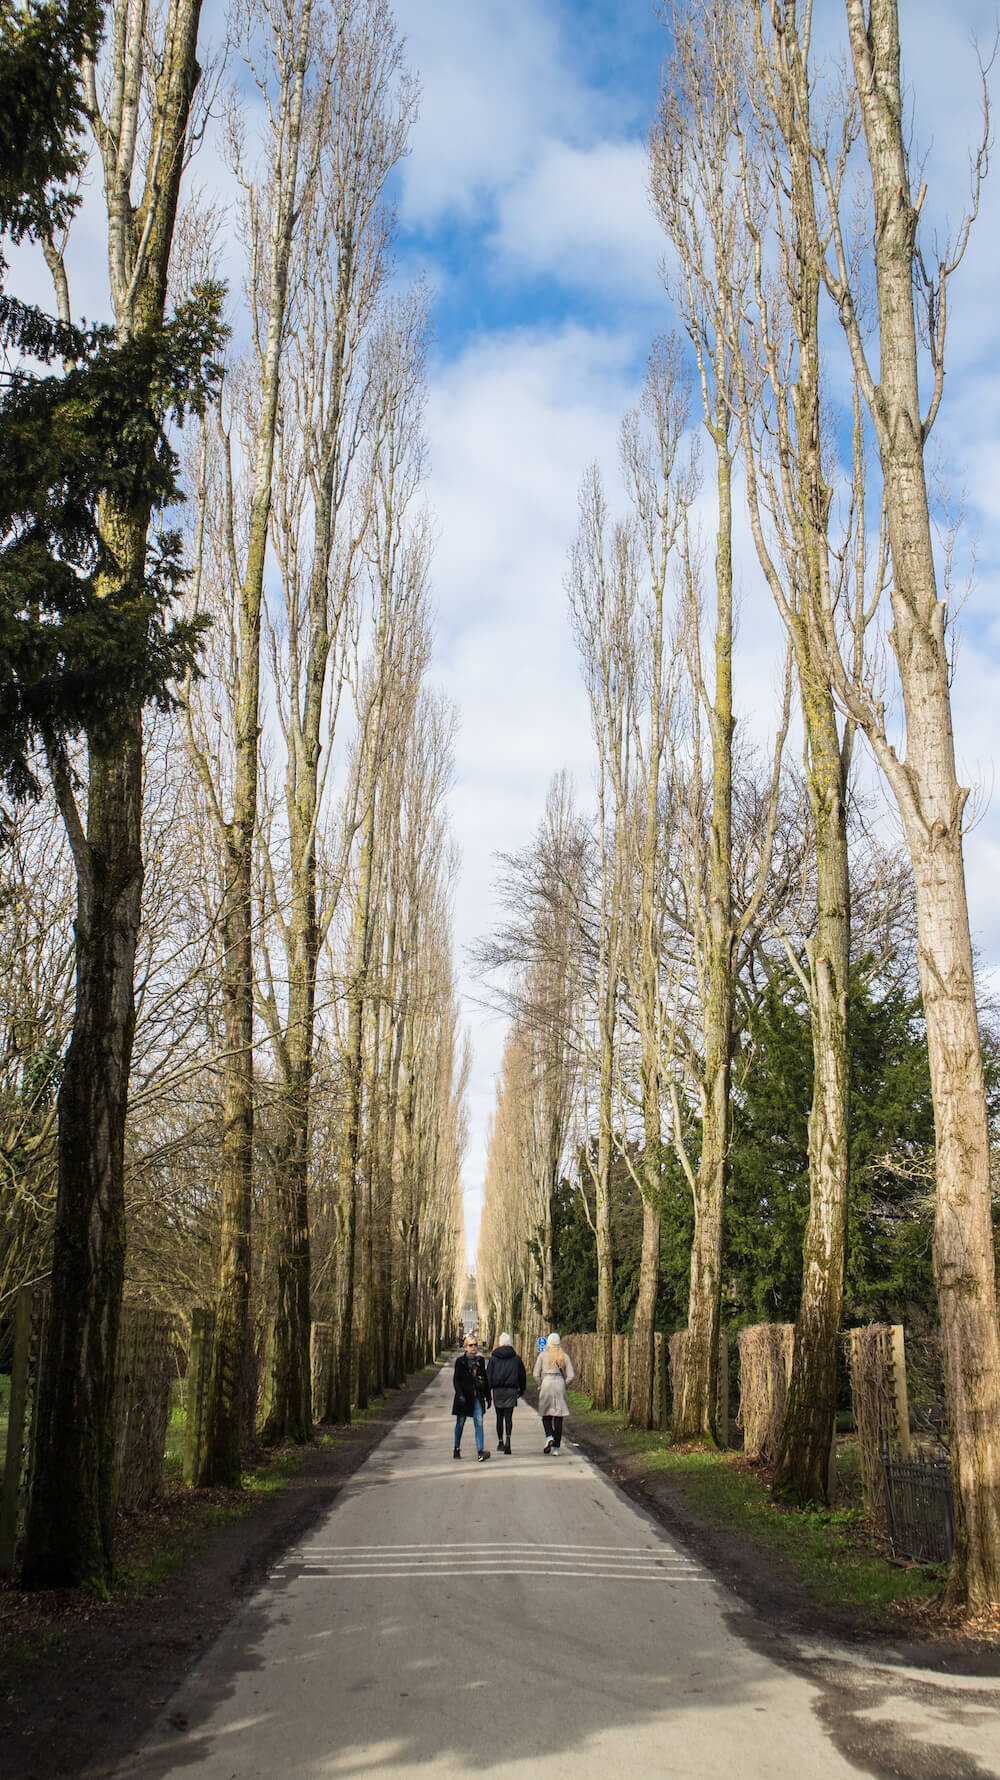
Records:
x=522, y=1618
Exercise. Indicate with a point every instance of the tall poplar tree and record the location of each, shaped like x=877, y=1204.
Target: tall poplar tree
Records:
x=68, y=1535
x=909, y=318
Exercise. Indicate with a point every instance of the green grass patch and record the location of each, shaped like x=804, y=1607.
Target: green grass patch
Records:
x=173, y=1446
x=19, y=1653
x=372, y=1407
x=161, y=1556
x=827, y=1550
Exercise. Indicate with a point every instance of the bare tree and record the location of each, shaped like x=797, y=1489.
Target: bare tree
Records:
x=788, y=486
x=281, y=61
x=910, y=306
x=715, y=160
x=661, y=487
x=329, y=384
x=417, y=984
x=396, y=551
x=549, y=958
x=36, y=964
x=599, y=585
x=685, y=145
x=141, y=125
x=506, y=1270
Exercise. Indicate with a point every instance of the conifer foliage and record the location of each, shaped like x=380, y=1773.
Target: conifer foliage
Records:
x=81, y=419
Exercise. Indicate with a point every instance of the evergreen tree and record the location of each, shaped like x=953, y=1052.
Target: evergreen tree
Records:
x=890, y=1216
x=890, y=1224
x=81, y=642
x=574, y=1256
x=87, y=640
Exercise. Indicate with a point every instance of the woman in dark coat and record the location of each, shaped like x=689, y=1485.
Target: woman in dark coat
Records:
x=472, y=1396
x=507, y=1380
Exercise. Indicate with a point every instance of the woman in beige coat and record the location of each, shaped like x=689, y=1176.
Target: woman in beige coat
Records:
x=554, y=1371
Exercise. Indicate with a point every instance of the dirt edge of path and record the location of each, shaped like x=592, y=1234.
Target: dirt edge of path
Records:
x=778, y=1605
x=99, y=1673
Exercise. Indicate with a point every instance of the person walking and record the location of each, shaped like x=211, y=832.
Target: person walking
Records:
x=554, y=1371
x=472, y=1396
x=507, y=1380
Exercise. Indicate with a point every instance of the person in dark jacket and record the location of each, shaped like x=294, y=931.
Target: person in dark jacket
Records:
x=507, y=1380
x=472, y=1396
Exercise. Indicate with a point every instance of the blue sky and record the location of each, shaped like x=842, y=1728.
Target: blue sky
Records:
x=524, y=203
x=527, y=117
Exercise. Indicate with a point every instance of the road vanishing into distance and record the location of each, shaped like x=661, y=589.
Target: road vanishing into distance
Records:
x=521, y=1617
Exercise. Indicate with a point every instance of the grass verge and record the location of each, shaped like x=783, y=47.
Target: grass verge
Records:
x=159, y=1540
x=154, y=1543
x=829, y=1552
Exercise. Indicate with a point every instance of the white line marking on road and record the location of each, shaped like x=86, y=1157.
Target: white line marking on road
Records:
x=513, y=1557
x=479, y=1545
x=483, y=1558
x=594, y=1575
x=632, y=1567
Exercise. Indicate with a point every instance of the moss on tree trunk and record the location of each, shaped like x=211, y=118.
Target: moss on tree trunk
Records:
x=68, y=1536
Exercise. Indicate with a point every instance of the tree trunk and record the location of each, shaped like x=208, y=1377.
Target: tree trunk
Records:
x=608, y=966
x=695, y=1415
x=603, y=1339
x=804, y=1455
x=220, y=1458
x=932, y=803
x=605, y=1270
x=642, y=1346
x=68, y=1533
x=807, y=1434
x=68, y=1542
x=394, y=1283
x=340, y=1409
x=289, y=1416
x=232, y=1330
x=548, y=1307
x=350, y=1141
x=366, y=1289
x=695, y=1408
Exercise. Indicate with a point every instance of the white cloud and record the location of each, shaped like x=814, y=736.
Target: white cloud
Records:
x=509, y=136
x=493, y=80
x=512, y=423
x=582, y=215
x=513, y=140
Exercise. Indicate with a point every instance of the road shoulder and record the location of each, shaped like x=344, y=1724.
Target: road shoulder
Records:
x=81, y=1681
x=776, y=1605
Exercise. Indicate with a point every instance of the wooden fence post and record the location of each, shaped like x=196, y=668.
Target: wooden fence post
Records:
x=660, y=1417
x=619, y=1372
x=877, y=1364
x=899, y=1386
x=199, y=1369
x=722, y=1399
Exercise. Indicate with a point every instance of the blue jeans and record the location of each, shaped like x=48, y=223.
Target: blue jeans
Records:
x=477, y=1424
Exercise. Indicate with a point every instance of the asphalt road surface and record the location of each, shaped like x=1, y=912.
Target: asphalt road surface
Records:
x=521, y=1617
